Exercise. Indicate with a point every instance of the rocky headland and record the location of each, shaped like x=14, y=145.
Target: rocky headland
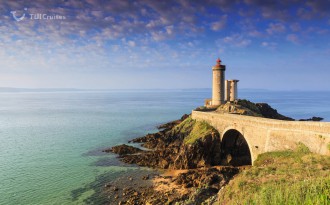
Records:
x=190, y=166
x=188, y=155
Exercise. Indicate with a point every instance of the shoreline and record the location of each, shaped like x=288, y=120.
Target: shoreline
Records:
x=169, y=179
x=155, y=186
x=188, y=161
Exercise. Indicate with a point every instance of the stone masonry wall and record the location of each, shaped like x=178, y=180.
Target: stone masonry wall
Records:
x=265, y=135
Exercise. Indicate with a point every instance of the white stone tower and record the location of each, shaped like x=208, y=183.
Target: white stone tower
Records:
x=218, y=84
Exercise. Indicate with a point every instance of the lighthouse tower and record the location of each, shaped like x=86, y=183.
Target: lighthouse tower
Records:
x=218, y=84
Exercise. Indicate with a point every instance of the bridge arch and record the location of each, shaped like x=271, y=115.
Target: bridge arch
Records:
x=235, y=148
x=265, y=135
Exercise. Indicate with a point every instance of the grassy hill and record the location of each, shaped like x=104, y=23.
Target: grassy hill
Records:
x=286, y=177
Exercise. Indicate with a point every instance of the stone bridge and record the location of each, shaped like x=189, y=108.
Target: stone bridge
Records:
x=263, y=135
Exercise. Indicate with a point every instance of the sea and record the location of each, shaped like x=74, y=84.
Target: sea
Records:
x=51, y=142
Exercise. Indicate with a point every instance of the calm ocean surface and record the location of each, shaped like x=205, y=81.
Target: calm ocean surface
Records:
x=50, y=142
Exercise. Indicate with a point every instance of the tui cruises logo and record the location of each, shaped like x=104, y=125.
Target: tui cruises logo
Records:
x=19, y=16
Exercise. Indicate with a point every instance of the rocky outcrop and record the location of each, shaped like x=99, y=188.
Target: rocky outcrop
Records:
x=194, y=185
x=269, y=112
x=204, y=152
x=209, y=181
x=123, y=150
x=186, y=143
x=316, y=119
x=182, y=145
x=211, y=177
x=240, y=107
x=245, y=107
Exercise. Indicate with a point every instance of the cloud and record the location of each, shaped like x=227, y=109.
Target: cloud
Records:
x=273, y=9
x=319, y=6
x=314, y=9
x=108, y=37
x=290, y=9
x=160, y=20
x=274, y=28
x=255, y=33
x=157, y=23
x=236, y=40
x=159, y=35
x=295, y=27
x=131, y=43
x=305, y=13
x=169, y=30
x=219, y=25
x=269, y=45
x=112, y=19
x=314, y=30
x=293, y=38
x=249, y=27
x=224, y=4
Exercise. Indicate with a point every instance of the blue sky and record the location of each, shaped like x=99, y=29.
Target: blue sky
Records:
x=266, y=44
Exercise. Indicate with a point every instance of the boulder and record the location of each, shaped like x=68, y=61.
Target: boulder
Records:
x=123, y=150
x=313, y=119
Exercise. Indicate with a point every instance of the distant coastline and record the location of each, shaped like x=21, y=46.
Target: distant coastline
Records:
x=17, y=90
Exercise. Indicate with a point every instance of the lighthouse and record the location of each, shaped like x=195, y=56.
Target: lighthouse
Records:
x=222, y=91
x=218, y=83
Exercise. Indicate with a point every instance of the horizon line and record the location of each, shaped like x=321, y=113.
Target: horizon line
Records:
x=54, y=89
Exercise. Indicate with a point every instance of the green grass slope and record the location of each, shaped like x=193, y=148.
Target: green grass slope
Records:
x=194, y=130
x=286, y=177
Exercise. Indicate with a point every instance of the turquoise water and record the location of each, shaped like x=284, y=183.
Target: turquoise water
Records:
x=50, y=142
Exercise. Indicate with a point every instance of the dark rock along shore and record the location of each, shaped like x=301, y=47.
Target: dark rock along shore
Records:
x=169, y=150
x=181, y=144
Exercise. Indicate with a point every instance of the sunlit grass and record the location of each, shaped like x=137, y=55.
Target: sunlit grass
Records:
x=286, y=177
x=193, y=130
x=199, y=130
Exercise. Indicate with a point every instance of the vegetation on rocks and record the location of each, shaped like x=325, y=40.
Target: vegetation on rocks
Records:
x=199, y=130
x=185, y=126
x=286, y=177
x=194, y=149
x=182, y=144
x=185, y=144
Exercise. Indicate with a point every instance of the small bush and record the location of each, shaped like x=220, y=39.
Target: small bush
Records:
x=301, y=148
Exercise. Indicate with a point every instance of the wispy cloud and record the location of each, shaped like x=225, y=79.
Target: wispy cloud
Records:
x=220, y=24
x=274, y=28
x=293, y=38
x=99, y=36
x=236, y=40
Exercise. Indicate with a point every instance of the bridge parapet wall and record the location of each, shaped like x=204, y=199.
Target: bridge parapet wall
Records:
x=265, y=135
